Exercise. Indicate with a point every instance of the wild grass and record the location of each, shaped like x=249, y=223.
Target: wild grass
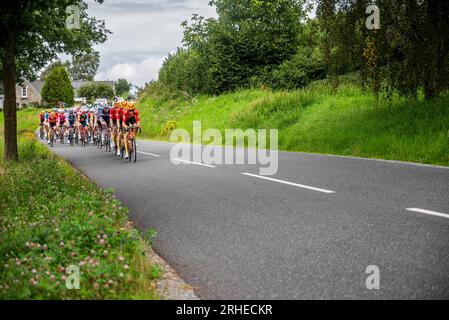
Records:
x=51, y=218
x=318, y=119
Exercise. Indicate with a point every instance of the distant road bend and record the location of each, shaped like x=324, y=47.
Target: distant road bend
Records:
x=308, y=232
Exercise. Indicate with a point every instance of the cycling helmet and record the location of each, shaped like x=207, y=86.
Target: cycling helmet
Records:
x=123, y=104
x=130, y=106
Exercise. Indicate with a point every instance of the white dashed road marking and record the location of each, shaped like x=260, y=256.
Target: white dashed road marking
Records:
x=195, y=163
x=432, y=213
x=289, y=183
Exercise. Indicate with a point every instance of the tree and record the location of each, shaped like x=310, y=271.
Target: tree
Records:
x=52, y=66
x=249, y=38
x=122, y=86
x=409, y=54
x=58, y=87
x=33, y=32
x=96, y=90
x=84, y=66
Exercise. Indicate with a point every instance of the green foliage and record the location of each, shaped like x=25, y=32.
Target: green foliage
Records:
x=345, y=121
x=249, y=39
x=39, y=31
x=96, y=90
x=408, y=54
x=51, y=221
x=51, y=66
x=167, y=128
x=58, y=87
x=84, y=66
x=184, y=71
x=122, y=87
x=297, y=72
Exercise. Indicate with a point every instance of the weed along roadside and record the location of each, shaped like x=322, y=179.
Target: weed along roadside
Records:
x=317, y=119
x=62, y=237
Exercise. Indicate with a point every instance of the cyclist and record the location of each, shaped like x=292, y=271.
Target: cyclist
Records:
x=46, y=116
x=98, y=113
x=130, y=120
x=82, y=120
x=52, y=122
x=41, y=123
x=62, y=123
x=116, y=115
x=90, y=121
x=71, y=119
x=105, y=118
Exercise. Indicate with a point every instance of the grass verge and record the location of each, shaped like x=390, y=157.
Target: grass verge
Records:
x=51, y=218
x=317, y=119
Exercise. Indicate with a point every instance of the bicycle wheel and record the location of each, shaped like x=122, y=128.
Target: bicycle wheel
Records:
x=62, y=136
x=52, y=136
x=134, y=151
x=99, y=141
x=71, y=137
x=107, y=142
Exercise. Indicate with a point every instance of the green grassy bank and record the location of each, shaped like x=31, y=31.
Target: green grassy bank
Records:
x=51, y=218
x=317, y=119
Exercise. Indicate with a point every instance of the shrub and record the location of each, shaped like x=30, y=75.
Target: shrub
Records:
x=96, y=90
x=58, y=87
x=168, y=127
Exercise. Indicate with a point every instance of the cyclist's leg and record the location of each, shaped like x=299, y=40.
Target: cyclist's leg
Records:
x=119, y=138
x=126, y=144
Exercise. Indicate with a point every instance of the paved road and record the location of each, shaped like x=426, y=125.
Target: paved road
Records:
x=237, y=236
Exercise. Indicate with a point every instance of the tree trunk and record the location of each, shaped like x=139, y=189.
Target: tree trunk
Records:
x=429, y=91
x=10, y=114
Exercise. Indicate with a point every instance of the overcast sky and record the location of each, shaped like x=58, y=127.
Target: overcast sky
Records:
x=144, y=32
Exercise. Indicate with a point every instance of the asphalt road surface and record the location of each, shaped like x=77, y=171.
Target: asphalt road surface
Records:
x=309, y=232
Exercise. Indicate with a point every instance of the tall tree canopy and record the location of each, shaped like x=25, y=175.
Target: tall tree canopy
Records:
x=248, y=39
x=96, y=90
x=33, y=32
x=51, y=67
x=122, y=87
x=84, y=66
x=410, y=52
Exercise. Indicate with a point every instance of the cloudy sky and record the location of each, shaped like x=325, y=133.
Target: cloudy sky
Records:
x=144, y=32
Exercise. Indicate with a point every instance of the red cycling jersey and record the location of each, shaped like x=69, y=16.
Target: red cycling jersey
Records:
x=127, y=116
x=52, y=119
x=116, y=113
x=62, y=118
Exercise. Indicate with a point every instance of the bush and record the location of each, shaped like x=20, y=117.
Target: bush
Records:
x=58, y=87
x=297, y=72
x=96, y=90
x=168, y=127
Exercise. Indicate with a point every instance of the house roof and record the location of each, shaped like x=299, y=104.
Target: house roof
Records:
x=39, y=84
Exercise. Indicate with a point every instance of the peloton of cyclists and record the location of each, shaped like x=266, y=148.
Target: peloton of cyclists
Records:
x=118, y=120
